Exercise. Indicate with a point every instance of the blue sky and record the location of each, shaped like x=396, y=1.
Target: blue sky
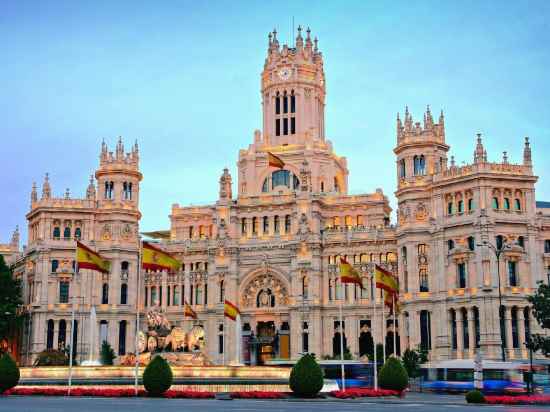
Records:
x=183, y=79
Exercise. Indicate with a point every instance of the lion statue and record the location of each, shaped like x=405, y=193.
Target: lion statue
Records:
x=177, y=339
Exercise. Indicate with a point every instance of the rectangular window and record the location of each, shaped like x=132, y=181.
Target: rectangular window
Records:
x=470, y=205
x=461, y=281
x=547, y=246
x=292, y=103
x=220, y=343
x=450, y=208
x=266, y=225
x=63, y=292
x=423, y=280
x=512, y=273
x=277, y=105
x=285, y=104
x=460, y=206
x=292, y=125
x=122, y=337
x=278, y=127
x=285, y=126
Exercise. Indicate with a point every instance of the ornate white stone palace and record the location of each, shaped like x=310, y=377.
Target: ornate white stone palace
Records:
x=271, y=248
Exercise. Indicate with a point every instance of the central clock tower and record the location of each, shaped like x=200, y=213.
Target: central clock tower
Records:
x=293, y=92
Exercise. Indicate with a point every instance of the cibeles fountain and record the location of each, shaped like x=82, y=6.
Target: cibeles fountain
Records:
x=173, y=343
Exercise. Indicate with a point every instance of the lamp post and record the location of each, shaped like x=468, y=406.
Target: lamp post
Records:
x=498, y=252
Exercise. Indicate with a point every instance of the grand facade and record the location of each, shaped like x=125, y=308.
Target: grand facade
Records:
x=270, y=244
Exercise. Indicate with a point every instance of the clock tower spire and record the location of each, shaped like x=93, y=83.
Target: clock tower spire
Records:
x=293, y=92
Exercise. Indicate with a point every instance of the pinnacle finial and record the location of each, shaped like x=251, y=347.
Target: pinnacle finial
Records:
x=315, y=42
x=308, y=33
x=527, y=153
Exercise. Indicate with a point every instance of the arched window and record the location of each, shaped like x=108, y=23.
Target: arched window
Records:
x=280, y=178
x=518, y=204
x=506, y=203
x=453, y=329
x=419, y=164
x=77, y=233
x=471, y=243
x=477, y=329
x=460, y=206
x=265, y=225
x=304, y=287
x=127, y=190
x=276, y=226
x=254, y=225
x=123, y=294
x=56, y=232
x=402, y=169
x=450, y=208
x=515, y=334
x=109, y=186
x=521, y=242
x=496, y=205
x=62, y=334
x=292, y=102
x=465, y=330
x=67, y=233
x=122, y=337
x=265, y=185
x=124, y=266
x=322, y=187
x=499, y=241
x=285, y=103
x=49, y=334
x=55, y=265
x=450, y=244
x=425, y=330
x=287, y=224
x=277, y=104
x=471, y=204
x=146, y=296
x=105, y=294
x=153, y=296
x=222, y=292
x=243, y=226
x=422, y=170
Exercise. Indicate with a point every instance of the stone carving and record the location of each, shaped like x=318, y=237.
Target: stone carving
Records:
x=106, y=233
x=263, y=291
x=421, y=212
x=126, y=232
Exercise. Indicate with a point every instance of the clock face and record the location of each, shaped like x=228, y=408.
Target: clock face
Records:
x=284, y=73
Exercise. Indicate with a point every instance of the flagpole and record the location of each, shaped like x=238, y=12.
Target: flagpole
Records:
x=383, y=325
x=373, y=337
x=72, y=320
x=223, y=338
x=238, y=339
x=136, y=340
x=342, y=342
x=394, y=327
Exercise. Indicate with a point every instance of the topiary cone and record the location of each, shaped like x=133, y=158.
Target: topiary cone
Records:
x=306, y=377
x=157, y=377
x=393, y=375
x=9, y=373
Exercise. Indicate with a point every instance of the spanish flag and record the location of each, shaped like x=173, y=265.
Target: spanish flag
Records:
x=385, y=280
x=348, y=274
x=275, y=161
x=88, y=259
x=389, y=301
x=153, y=258
x=188, y=311
x=230, y=310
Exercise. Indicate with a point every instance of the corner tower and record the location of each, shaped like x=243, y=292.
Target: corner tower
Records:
x=293, y=91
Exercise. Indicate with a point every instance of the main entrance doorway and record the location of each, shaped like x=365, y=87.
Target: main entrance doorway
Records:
x=268, y=341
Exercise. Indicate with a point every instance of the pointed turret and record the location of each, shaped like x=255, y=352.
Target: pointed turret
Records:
x=34, y=194
x=399, y=127
x=46, y=189
x=15, y=239
x=299, y=39
x=479, y=152
x=120, y=149
x=316, y=45
x=527, y=161
x=429, y=121
x=90, y=192
x=225, y=185
x=308, y=39
x=275, y=43
x=505, y=157
x=67, y=193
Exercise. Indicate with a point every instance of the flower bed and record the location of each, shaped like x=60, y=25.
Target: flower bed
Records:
x=363, y=393
x=129, y=392
x=258, y=395
x=518, y=400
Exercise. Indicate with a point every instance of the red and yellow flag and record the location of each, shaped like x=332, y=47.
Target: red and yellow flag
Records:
x=230, y=310
x=385, y=280
x=88, y=259
x=275, y=161
x=389, y=301
x=154, y=258
x=188, y=311
x=348, y=274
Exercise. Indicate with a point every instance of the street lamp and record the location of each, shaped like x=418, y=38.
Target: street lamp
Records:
x=498, y=252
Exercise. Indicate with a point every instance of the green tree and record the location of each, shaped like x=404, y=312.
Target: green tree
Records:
x=9, y=373
x=157, y=377
x=10, y=300
x=412, y=359
x=107, y=353
x=393, y=375
x=306, y=377
x=540, y=302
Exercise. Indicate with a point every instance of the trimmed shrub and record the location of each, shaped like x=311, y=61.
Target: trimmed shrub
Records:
x=475, y=396
x=157, y=377
x=52, y=357
x=107, y=353
x=393, y=375
x=306, y=377
x=9, y=373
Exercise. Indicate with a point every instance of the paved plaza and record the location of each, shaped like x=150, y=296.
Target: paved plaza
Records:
x=413, y=402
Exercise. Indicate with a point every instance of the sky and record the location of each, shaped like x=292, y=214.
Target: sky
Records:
x=183, y=79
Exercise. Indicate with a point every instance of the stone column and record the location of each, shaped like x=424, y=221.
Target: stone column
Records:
x=471, y=332
x=459, y=334
x=508, y=323
x=521, y=333
x=56, y=333
x=353, y=331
